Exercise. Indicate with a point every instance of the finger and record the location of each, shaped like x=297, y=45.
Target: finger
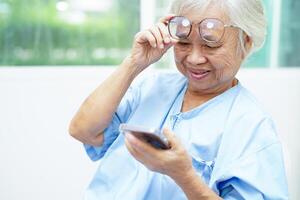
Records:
x=174, y=41
x=142, y=147
x=146, y=36
x=166, y=18
x=138, y=153
x=134, y=153
x=167, y=47
x=170, y=136
x=164, y=32
x=159, y=39
x=130, y=147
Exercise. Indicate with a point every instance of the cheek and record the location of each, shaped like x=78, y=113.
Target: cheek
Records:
x=178, y=55
x=227, y=57
x=222, y=60
x=225, y=64
x=179, y=58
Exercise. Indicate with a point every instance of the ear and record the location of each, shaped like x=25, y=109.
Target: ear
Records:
x=247, y=44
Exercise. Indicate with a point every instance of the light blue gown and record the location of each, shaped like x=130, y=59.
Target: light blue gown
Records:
x=232, y=141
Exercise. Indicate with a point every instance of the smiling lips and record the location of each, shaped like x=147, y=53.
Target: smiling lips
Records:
x=198, y=74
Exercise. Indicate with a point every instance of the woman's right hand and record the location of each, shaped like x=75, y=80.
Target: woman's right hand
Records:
x=151, y=44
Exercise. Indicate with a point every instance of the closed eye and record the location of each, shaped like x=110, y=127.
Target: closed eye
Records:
x=211, y=46
x=183, y=43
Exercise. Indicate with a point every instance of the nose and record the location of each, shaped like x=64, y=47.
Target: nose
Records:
x=196, y=56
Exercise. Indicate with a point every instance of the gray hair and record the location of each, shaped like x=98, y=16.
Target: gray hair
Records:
x=249, y=15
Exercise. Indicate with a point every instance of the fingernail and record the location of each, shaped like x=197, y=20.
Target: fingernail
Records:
x=161, y=46
x=167, y=40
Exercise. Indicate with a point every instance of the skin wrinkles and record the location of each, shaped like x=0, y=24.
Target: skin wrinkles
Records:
x=223, y=62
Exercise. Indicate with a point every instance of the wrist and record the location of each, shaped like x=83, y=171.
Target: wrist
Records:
x=136, y=62
x=194, y=187
x=188, y=177
x=130, y=68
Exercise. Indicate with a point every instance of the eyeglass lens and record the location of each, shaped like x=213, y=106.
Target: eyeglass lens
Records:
x=210, y=30
x=179, y=27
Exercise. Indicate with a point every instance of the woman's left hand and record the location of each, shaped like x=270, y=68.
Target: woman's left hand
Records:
x=174, y=162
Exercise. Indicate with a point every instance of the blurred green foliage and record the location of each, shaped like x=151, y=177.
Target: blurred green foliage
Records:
x=32, y=32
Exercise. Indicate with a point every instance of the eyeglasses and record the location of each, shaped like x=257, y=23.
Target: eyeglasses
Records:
x=211, y=30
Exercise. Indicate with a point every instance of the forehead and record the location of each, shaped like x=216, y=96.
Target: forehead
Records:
x=209, y=11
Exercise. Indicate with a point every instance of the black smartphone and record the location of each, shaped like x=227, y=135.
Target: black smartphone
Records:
x=152, y=136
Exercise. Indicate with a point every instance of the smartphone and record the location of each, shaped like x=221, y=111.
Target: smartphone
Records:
x=152, y=136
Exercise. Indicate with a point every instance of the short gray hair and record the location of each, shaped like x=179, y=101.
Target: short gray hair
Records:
x=249, y=15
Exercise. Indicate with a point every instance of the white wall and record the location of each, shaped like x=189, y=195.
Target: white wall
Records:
x=39, y=160
x=279, y=91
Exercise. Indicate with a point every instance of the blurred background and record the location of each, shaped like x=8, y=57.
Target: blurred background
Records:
x=54, y=53
x=100, y=32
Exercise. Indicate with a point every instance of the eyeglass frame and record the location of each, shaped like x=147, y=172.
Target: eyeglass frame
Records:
x=198, y=23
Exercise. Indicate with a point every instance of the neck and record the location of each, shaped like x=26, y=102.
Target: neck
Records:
x=194, y=98
x=212, y=92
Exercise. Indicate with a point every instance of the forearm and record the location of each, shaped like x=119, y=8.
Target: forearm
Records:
x=194, y=188
x=96, y=112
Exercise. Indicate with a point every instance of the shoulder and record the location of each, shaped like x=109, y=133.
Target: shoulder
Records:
x=249, y=121
x=249, y=125
x=247, y=107
x=249, y=129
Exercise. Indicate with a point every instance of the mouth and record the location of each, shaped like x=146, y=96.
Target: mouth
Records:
x=198, y=74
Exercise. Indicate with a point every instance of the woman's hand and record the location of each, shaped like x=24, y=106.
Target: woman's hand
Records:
x=174, y=162
x=151, y=44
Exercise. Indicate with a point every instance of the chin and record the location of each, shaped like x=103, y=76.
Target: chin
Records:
x=200, y=86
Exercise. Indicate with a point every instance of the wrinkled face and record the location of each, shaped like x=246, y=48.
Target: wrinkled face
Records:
x=208, y=69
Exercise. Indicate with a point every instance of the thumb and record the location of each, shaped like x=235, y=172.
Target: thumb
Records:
x=167, y=47
x=170, y=136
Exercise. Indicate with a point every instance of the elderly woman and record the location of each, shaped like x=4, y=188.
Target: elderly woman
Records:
x=223, y=144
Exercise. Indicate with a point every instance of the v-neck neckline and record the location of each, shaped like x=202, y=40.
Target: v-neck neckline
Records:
x=179, y=101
